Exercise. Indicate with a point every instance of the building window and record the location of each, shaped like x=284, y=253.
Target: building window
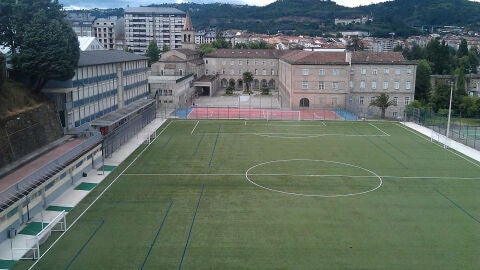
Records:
x=304, y=85
x=272, y=72
x=397, y=85
x=223, y=71
x=362, y=85
x=240, y=62
x=395, y=114
x=363, y=71
x=206, y=62
x=305, y=72
x=335, y=85
x=256, y=71
x=409, y=71
x=321, y=86
x=395, y=100
x=397, y=71
x=407, y=101
x=248, y=62
x=374, y=71
x=240, y=72
x=334, y=101
x=256, y=62
x=336, y=72
x=374, y=85
x=372, y=99
x=361, y=100
x=351, y=84
x=224, y=62
x=408, y=85
x=232, y=72
x=321, y=72
x=232, y=62
x=385, y=85
x=272, y=63
x=386, y=71
x=206, y=71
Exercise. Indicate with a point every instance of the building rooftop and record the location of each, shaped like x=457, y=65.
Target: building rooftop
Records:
x=116, y=116
x=245, y=53
x=91, y=58
x=315, y=58
x=365, y=57
x=154, y=10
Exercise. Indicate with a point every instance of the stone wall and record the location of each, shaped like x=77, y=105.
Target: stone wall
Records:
x=27, y=131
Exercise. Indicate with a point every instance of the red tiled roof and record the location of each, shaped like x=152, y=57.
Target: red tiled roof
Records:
x=378, y=58
x=245, y=53
x=315, y=58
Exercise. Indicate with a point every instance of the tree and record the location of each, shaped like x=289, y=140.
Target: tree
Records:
x=423, y=86
x=247, y=79
x=462, y=48
x=2, y=70
x=152, y=52
x=383, y=102
x=49, y=50
x=16, y=15
x=440, y=97
x=356, y=44
x=165, y=48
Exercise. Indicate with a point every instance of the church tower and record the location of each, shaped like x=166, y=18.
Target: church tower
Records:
x=188, y=34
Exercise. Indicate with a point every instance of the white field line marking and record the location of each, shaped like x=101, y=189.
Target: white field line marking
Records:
x=96, y=199
x=379, y=129
x=304, y=175
x=314, y=195
x=441, y=145
x=193, y=130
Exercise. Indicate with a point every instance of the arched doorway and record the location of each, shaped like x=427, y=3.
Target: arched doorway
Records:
x=304, y=103
x=264, y=83
x=231, y=83
x=271, y=84
x=224, y=83
x=240, y=84
x=256, y=84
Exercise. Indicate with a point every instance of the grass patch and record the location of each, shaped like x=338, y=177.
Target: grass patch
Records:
x=179, y=206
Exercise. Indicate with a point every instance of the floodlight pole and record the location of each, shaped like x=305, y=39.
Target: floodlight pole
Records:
x=449, y=115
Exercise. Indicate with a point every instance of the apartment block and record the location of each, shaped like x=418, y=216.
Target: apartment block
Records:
x=145, y=24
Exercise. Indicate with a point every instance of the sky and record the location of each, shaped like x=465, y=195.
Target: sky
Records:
x=78, y=4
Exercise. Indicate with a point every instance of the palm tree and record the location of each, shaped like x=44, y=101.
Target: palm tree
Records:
x=383, y=103
x=247, y=79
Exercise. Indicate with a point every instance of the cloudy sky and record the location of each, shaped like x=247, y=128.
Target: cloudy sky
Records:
x=136, y=3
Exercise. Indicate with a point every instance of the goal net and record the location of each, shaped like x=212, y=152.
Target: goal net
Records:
x=29, y=247
x=281, y=115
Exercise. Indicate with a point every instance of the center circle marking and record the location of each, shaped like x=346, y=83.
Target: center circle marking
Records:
x=380, y=182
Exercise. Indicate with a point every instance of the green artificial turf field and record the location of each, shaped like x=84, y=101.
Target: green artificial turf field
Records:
x=280, y=195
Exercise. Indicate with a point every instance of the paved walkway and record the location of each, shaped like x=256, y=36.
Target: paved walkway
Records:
x=466, y=150
x=13, y=250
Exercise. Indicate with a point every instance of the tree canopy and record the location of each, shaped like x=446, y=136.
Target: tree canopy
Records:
x=42, y=43
x=152, y=52
x=383, y=101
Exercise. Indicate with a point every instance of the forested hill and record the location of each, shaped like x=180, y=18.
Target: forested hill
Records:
x=316, y=17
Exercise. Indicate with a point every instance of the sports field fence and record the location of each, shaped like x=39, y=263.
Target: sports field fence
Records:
x=463, y=130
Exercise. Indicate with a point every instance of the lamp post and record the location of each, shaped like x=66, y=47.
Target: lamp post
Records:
x=449, y=115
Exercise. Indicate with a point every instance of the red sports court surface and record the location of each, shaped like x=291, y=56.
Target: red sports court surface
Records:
x=267, y=114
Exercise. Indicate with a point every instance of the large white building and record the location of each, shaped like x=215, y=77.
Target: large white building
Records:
x=104, y=81
x=145, y=24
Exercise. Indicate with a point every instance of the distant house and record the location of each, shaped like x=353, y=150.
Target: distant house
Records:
x=90, y=44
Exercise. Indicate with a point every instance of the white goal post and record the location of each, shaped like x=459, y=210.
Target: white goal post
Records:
x=281, y=115
x=29, y=247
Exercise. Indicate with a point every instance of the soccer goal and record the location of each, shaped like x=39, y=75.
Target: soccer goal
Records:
x=282, y=115
x=151, y=137
x=28, y=247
